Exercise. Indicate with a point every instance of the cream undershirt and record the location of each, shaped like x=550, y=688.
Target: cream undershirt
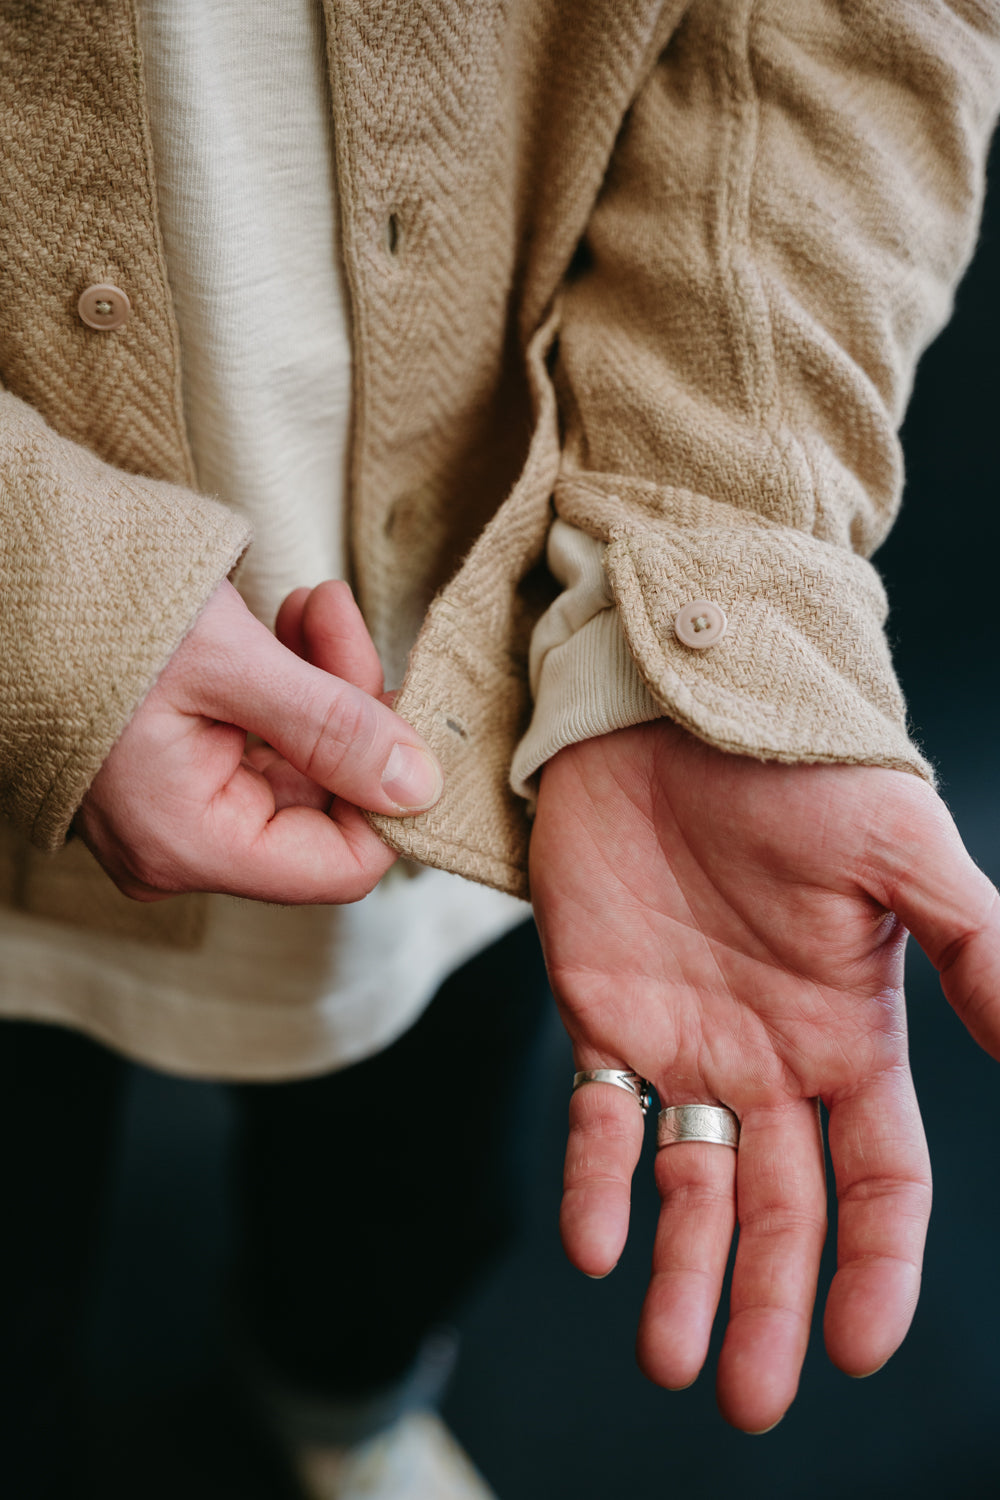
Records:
x=583, y=677
x=243, y=151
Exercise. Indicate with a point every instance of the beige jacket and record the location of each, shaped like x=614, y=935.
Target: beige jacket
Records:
x=665, y=266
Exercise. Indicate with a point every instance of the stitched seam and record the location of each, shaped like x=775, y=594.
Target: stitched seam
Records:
x=779, y=428
x=440, y=842
x=347, y=199
x=152, y=203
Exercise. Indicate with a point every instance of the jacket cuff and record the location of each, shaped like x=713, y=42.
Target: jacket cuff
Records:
x=802, y=671
x=103, y=575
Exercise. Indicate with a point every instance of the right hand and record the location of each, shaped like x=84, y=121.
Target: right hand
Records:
x=180, y=804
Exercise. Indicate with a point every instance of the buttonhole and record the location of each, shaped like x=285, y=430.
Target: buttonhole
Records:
x=581, y=262
x=456, y=728
x=393, y=233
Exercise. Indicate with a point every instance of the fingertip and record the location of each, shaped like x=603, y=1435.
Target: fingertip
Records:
x=672, y=1372
x=412, y=779
x=339, y=588
x=337, y=637
x=661, y=1371
x=855, y=1370
x=593, y=1233
x=672, y=1342
x=856, y=1364
x=751, y=1412
x=372, y=855
x=759, y=1368
x=288, y=625
x=868, y=1314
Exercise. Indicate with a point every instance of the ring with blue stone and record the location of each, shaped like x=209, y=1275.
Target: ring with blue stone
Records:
x=623, y=1078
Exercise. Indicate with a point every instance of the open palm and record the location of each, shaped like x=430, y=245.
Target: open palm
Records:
x=734, y=931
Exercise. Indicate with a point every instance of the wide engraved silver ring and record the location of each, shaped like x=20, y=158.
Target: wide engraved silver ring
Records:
x=622, y=1078
x=713, y=1123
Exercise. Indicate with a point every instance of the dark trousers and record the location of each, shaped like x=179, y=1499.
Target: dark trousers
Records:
x=368, y=1201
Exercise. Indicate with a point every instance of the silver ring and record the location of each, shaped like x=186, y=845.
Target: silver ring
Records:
x=697, y=1122
x=623, y=1078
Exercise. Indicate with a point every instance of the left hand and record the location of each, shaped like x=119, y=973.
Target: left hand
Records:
x=733, y=930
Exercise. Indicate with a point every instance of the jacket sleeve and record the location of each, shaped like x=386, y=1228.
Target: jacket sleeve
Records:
x=792, y=200
x=102, y=574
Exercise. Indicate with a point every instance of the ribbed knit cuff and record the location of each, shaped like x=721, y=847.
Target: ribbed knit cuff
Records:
x=583, y=678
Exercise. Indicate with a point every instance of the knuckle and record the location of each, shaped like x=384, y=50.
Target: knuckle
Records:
x=606, y=1125
x=700, y=1197
x=587, y=1185
x=912, y=1189
x=346, y=731
x=784, y=1223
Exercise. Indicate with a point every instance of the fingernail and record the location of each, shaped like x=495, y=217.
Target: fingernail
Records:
x=412, y=778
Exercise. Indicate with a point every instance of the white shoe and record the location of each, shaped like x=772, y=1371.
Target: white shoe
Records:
x=415, y=1459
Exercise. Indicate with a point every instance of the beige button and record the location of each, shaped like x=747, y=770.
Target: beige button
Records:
x=104, y=307
x=700, y=624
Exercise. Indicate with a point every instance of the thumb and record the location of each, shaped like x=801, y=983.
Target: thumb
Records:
x=232, y=668
x=953, y=911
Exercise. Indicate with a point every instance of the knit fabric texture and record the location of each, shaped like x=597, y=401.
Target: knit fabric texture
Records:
x=668, y=267
x=105, y=563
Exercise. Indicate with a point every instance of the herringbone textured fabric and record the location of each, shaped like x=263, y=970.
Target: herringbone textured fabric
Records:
x=445, y=158
x=776, y=238
x=668, y=266
x=78, y=210
x=104, y=569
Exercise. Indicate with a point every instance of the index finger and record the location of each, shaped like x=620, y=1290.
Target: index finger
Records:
x=331, y=731
x=325, y=627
